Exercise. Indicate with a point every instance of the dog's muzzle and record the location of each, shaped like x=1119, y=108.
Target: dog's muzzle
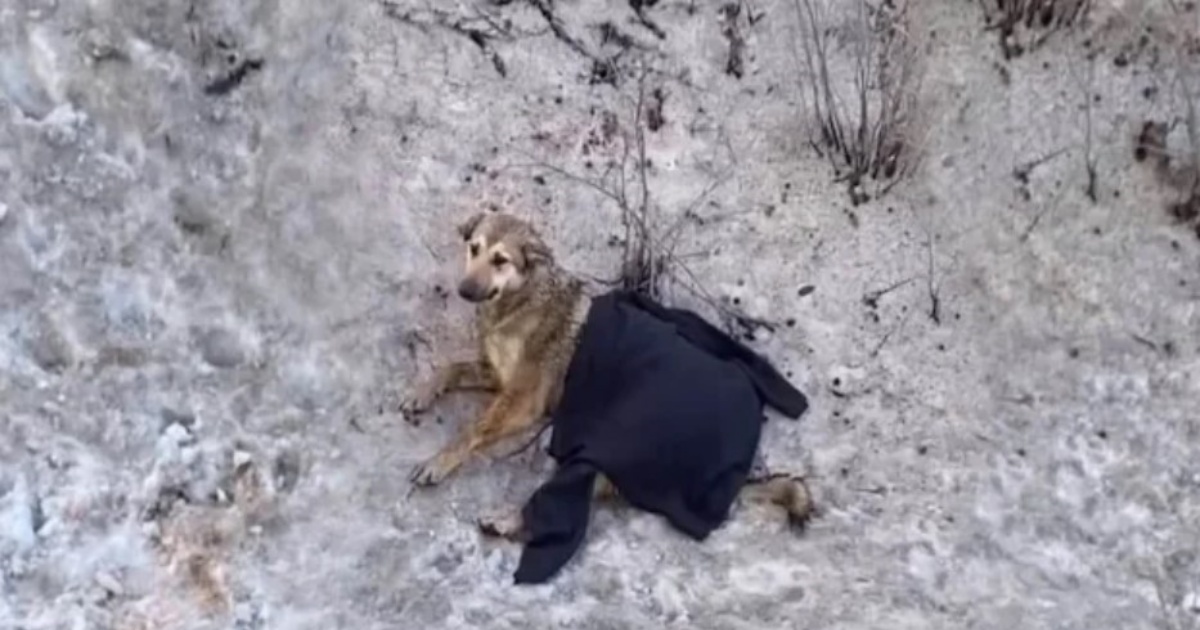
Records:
x=474, y=292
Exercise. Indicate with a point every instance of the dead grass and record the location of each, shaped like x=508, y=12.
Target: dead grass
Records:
x=865, y=123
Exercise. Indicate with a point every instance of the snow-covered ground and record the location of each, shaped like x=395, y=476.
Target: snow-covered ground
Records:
x=226, y=229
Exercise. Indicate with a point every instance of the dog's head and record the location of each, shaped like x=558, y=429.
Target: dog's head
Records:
x=502, y=253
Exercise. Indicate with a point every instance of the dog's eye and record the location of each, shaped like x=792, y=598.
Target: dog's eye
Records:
x=499, y=261
x=474, y=249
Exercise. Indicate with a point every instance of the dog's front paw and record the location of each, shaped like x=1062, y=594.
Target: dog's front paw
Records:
x=418, y=403
x=431, y=472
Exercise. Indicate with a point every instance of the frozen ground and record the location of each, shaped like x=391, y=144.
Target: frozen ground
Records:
x=209, y=287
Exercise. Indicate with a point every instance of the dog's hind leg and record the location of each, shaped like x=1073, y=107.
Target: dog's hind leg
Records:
x=462, y=375
x=786, y=491
x=510, y=524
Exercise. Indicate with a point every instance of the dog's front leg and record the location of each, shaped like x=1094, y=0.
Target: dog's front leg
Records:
x=510, y=413
x=460, y=375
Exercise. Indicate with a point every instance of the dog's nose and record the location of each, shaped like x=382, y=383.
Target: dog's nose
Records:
x=470, y=291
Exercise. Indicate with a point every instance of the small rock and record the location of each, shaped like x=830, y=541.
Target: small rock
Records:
x=241, y=458
x=220, y=348
x=176, y=433
x=191, y=214
x=286, y=471
x=48, y=348
x=3, y=212
x=182, y=417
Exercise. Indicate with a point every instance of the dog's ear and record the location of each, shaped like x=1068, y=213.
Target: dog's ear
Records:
x=467, y=229
x=535, y=252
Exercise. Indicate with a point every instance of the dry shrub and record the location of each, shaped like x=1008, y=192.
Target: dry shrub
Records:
x=863, y=85
x=1172, y=147
x=1024, y=25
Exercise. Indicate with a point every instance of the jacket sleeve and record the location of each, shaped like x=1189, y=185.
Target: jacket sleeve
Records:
x=771, y=385
x=556, y=518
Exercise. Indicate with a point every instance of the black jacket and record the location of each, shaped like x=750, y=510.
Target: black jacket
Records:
x=668, y=407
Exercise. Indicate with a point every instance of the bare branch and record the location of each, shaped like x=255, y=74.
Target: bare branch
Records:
x=871, y=298
x=466, y=27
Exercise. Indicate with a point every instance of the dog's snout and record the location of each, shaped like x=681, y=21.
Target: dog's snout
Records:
x=471, y=291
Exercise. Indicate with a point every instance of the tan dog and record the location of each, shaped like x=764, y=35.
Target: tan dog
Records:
x=529, y=315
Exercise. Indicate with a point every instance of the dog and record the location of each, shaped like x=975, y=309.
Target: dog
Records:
x=529, y=313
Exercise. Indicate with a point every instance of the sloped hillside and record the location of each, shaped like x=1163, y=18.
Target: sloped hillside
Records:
x=969, y=231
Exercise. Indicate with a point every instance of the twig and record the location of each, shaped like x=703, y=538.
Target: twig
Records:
x=734, y=64
x=578, y=179
x=729, y=315
x=1037, y=218
x=481, y=38
x=1022, y=172
x=1089, y=159
x=871, y=298
x=1145, y=342
x=1192, y=122
x=935, y=301
x=639, y=8
x=1033, y=223
x=639, y=270
x=888, y=335
x=545, y=8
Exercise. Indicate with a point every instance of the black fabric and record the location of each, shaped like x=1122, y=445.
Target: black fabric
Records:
x=664, y=404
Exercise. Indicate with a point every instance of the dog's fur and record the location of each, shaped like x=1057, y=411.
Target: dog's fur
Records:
x=529, y=314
